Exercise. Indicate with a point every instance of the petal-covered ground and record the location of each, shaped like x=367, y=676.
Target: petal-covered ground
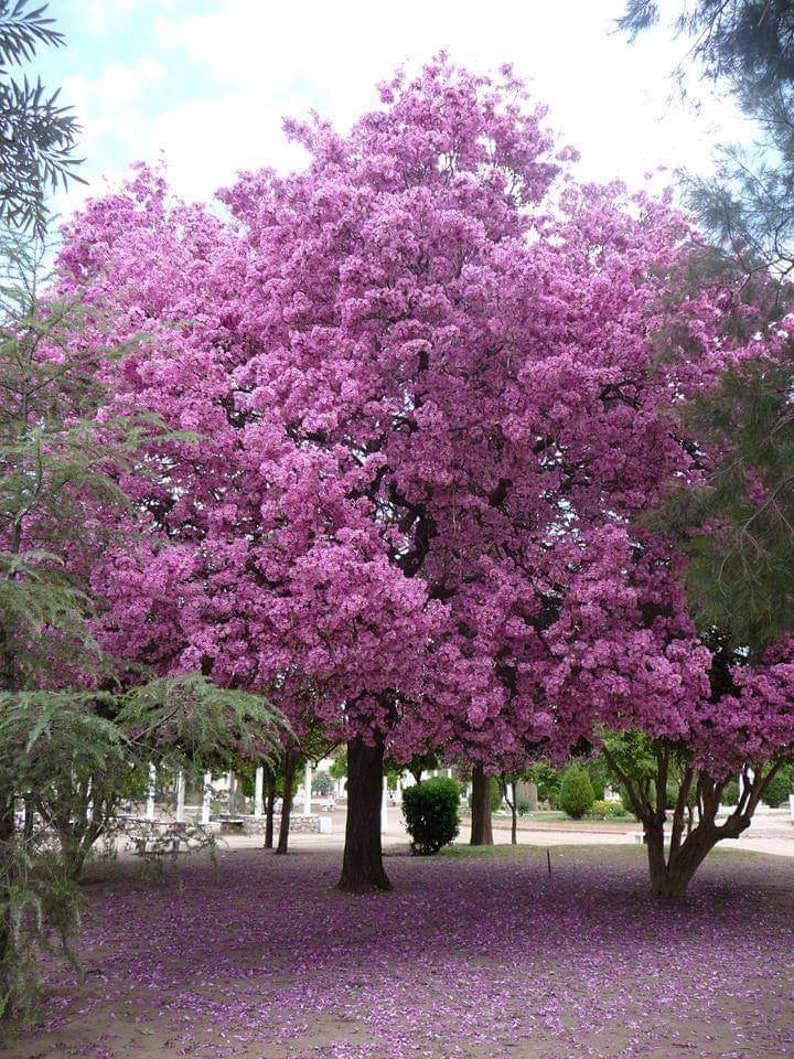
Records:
x=469, y=958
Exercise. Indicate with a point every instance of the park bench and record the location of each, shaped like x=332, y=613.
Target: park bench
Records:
x=232, y=825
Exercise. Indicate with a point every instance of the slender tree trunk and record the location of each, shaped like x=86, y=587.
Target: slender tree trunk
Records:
x=27, y=825
x=290, y=761
x=270, y=805
x=507, y=786
x=10, y=680
x=481, y=825
x=6, y=888
x=362, y=864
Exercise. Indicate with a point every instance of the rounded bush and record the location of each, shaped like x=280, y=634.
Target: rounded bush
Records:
x=576, y=792
x=432, y=814
x=608, y=809
x=778, y=790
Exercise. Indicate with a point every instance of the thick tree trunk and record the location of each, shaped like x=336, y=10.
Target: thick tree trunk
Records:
x=270, y=805
x=362, y=864
x=290, y=761
x=481, y=826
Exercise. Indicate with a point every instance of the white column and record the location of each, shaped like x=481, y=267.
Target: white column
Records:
x=230, y=806
x=180, y=796
x=307, y=789
x=259, y=787
x=205, y=799
x=384, y=807
x=150, y=792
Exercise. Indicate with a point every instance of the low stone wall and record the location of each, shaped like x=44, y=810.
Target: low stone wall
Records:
x=255, y=825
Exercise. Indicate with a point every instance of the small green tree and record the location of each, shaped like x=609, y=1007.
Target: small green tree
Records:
x=322, y=783
x=576, y=792
x=432, y=814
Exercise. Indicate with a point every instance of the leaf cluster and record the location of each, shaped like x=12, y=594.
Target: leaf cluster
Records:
x=748, y=46
x=37, y=134
x=193, y=721
x=738, y=529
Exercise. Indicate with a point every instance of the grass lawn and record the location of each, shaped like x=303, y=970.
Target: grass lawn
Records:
x=480, y=955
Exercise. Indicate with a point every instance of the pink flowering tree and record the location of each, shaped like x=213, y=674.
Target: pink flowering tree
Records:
x=420, y=393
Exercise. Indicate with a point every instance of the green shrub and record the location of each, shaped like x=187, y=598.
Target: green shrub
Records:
x=576, y=792
x=432, y=814
x=609, y=809
x=779, y=789
x=322, y=783
x=730, y=793
x=523, y=806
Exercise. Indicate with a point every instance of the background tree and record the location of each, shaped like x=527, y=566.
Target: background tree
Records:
x=746, y=47
x=37, y=134
x=738, y=527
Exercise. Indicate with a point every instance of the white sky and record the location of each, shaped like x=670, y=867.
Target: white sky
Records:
x=207, y=82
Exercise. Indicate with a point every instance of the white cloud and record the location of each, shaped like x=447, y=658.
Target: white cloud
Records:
x=213, y=87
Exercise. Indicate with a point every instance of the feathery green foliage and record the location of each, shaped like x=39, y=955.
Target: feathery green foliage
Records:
x=193, y=721
x=746, y=46
x=739, y=528
x=37, y=134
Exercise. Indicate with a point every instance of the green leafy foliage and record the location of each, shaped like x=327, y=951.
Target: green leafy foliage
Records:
x=737, y=528
x=40, y=906
x=432, y=814
x=780, y=787
x=547, y=779
x=730, y=793
x=191, y=720
x=745, y=46
x=37, y=134
x=72, y=766
x=322, y=783
x=576, y=792
x=605, y=809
